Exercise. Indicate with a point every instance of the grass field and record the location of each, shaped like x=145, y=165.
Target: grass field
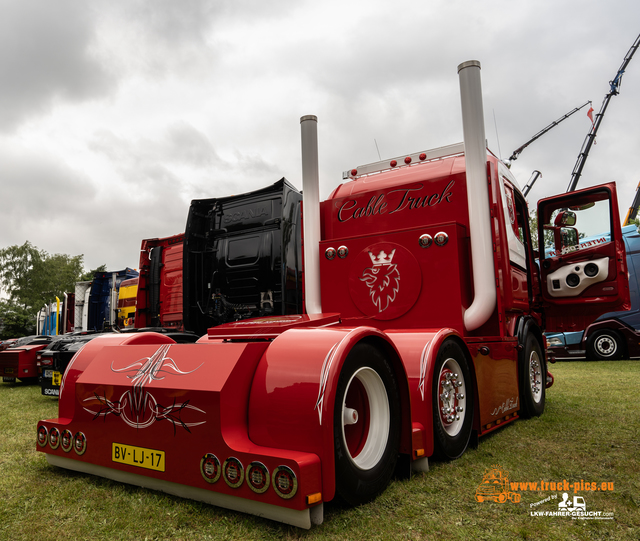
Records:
x=589, y=432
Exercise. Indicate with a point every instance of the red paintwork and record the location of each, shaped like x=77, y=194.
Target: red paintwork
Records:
x=602, y=297
x=5, y=344
x=265, y=389
x=20, y=362
x=170, y=292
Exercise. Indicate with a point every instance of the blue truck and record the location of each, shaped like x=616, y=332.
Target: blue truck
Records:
x=614, y=335
x=103, y=300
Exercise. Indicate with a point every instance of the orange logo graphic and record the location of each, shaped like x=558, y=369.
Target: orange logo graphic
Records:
x=495, y=487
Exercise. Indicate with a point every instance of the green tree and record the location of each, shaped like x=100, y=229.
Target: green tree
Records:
x=31, y=277
x=88, y=275
x=533, y=227
x=15, y=321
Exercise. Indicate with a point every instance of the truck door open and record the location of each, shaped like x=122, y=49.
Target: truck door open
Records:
x=582, y=257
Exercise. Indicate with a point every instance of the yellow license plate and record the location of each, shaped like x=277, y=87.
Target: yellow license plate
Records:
x=56, y=378
x=8, y=370
x=137, y=456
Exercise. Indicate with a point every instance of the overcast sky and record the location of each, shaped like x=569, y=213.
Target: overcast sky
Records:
x=115, y=114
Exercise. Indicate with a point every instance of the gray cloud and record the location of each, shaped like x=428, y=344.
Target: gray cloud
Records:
x=45, y=53
x=134, y=107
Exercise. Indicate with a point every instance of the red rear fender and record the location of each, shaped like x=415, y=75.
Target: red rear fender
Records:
x=292, y=396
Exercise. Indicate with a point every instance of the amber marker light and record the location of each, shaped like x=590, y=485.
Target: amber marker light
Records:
x=314, y=498
x=419, y=453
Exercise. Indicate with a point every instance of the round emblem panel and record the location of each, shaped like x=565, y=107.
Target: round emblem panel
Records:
x=385, y=280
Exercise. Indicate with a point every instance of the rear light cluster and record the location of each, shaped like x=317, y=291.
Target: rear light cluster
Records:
x=283, y=480
x=46, y=361
x=65, y=440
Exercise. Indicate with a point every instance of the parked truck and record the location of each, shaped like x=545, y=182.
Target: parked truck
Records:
x=159, y=296
x=95, y=307
x=53, y=359
x=18, y=360
x=242, y=257
x=47, y=320
x=95, y=298
x=103, y=298
x=127, y=295
x=422, y=327
x=57, y=317
x=81, y=308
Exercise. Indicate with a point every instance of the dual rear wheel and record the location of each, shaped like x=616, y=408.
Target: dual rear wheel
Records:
x=367, y=412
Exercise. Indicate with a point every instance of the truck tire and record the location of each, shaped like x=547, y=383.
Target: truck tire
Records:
x=366, y=425
x=533, y=377
x=605, y=345
x=452, y=402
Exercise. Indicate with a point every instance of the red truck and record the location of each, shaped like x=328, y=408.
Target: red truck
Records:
x=18, y=360
x=424, y=307
x=159, y=299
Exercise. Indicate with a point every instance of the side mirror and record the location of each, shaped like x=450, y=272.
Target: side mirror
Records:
x=569, y=236
x=565, y=218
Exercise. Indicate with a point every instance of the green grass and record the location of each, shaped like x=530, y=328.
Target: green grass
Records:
x=590, y=431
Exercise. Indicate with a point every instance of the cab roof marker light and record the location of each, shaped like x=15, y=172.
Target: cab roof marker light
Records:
x=404, y=161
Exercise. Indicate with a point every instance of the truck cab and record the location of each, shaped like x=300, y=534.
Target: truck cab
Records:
x=243, y=257
x=160, y=287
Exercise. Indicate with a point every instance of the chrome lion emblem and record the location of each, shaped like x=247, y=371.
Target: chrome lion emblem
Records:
x=383, y=279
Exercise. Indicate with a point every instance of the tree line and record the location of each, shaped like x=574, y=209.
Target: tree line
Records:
x=31, y=278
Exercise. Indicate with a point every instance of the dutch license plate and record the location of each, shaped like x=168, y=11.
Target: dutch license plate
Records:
x=48, y=374
x=56, y=378
x=140, y=457
x=8, y=370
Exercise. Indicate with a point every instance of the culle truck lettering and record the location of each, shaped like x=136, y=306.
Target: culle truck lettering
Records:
x=409, y=199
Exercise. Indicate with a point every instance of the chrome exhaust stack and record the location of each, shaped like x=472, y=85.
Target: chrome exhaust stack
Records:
x=475, y=151
x=311, y=213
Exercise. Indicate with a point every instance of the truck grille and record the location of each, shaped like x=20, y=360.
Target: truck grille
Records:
x=9, y=359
